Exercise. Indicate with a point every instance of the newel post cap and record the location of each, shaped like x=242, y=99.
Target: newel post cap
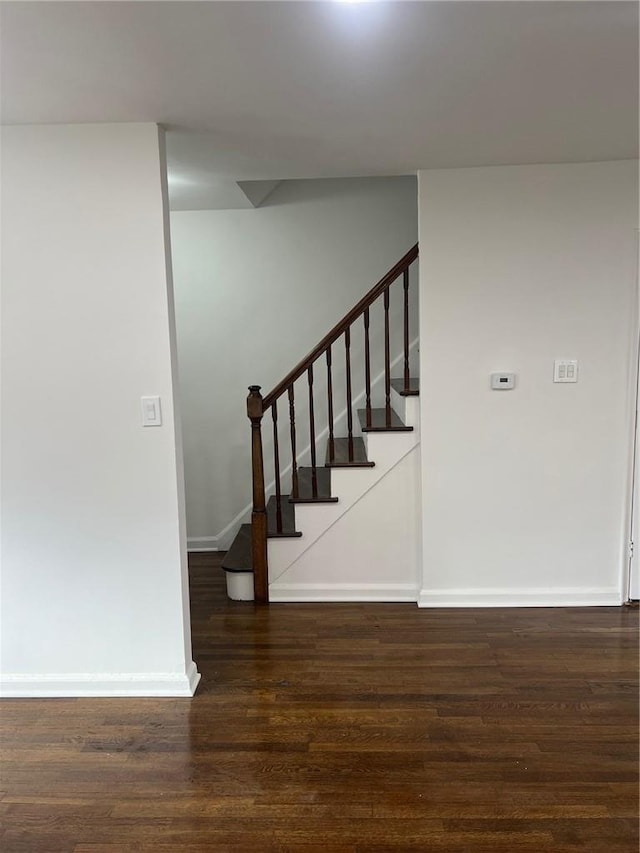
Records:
x=254, y=402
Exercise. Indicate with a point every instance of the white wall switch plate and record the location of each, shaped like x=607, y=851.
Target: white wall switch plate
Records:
x=503, y=381
x=565, y=370
x=151, y=411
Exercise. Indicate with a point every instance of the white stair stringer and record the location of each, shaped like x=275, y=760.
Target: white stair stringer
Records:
x=379, y=504
x=371, y=552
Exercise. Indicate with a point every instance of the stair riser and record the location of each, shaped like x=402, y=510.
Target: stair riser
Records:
x=407, y=408
x=387, y=447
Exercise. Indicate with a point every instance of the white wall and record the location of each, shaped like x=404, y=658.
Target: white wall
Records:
x=524, y=491
x=93, y=552
x=255, y=291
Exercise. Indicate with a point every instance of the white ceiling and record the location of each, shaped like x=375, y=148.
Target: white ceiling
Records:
x=276, y=90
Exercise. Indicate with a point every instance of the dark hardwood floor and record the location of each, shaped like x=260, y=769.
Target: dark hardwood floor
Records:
x=346, y=728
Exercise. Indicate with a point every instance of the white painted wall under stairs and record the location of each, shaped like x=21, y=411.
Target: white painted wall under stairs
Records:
x=365, y=547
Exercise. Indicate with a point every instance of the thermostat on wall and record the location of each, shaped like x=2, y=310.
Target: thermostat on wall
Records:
x=503, y=381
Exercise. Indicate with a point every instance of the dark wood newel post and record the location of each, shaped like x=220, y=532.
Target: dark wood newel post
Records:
x=255, y=411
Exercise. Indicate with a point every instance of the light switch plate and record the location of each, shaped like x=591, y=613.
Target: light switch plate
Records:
x=565, y=370
x=151, y=411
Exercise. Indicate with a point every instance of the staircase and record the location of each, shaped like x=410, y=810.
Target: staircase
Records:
x=293, y=535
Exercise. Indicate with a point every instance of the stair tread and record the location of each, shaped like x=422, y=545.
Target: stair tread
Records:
x=414, y=387
x=288, y=518
x=379, y=421
x=341, y=454
x=238, y=558
x=305, y=486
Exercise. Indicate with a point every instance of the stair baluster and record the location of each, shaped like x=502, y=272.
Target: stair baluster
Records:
x=276, y=461
x=405, y=285
x=347, y=352
x=387, y=361
x=367, y=367
x=312, y=435
x=294, y=462
x=332, y=446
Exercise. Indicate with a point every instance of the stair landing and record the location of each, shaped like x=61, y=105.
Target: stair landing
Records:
x=413, y=390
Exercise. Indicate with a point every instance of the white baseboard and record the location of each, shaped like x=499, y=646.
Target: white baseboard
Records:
x=531, y=597
x=291, y=592
x=82, y=684
x=203, y=543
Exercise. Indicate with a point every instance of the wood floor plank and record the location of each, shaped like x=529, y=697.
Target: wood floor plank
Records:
x=346, y=728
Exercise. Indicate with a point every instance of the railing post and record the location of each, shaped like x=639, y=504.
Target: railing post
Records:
x=259, y=513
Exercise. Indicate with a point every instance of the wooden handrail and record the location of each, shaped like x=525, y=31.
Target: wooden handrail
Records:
x=341, y=327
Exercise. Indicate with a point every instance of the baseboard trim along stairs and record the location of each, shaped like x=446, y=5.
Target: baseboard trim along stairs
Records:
x=343, y=592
